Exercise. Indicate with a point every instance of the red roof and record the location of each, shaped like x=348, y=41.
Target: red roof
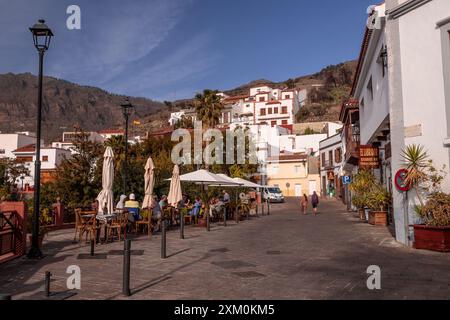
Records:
x=273, y=102
x=111, y=131
x=290, y=127
x=289, y=157
x=27, y=148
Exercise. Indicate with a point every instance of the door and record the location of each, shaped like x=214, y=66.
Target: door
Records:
x=298, y=190
x=312, y=186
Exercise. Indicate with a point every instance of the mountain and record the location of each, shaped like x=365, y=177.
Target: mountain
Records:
x=65, y=105
x=327, y=89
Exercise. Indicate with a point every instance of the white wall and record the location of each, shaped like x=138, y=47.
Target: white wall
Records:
x=11, y=142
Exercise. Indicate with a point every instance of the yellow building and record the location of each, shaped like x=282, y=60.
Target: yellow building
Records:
x=295, y=174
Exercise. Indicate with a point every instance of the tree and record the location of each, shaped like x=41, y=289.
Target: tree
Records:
x=208, y=107
x=290, y=83
x=10, y=170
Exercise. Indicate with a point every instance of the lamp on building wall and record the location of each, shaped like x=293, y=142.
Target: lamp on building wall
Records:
x=127, y=109
x=41, y=39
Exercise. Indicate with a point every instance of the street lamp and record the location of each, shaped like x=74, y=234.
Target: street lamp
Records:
x=41, y=38
x=127, y=109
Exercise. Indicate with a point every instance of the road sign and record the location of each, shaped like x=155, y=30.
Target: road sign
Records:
x=400, y=180
x=346, y=180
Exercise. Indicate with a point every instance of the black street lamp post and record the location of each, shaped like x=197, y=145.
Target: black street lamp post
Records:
x=127, y=109
x=41, y=38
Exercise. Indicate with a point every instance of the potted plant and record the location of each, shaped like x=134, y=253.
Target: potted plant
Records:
x=379, y=200
x=360, y=187
x=45, y=219
x=433, y=208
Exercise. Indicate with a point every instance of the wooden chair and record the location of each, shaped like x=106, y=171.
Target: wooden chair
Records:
x=116, y=226
x=146, y=222
x=80, y=225
x=91, y=226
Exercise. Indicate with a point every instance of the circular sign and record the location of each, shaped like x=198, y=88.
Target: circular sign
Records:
x=288, y=185
x=400, y=180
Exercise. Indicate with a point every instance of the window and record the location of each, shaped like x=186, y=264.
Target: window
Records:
x=269, y=111
x=287, y=96
x=275, y=110
x=262, y=112
x=45, y=158
x=330, y=157
x=338, y=155
x=323, y=159
x=284, y=110
x=2, y=151
x=284, y=122
x=262, y=99
x=298, y=169
x=370, y=88
x=273, y=123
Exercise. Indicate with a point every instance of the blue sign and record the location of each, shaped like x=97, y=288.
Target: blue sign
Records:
x=346, y=180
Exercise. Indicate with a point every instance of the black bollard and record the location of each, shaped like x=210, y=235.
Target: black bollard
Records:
x=208, y=227
x=163, y=240
x=5, y=297
x=225, y=216
x=268, y=207
x=126, y=268
x=92, y=247
x=47, y=283
x=181, y=225
x=262, y=207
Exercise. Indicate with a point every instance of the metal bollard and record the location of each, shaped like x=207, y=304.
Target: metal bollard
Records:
x=181, y=225
x=268, y=207
x=126, y=268
x=225, y=216
x=208, y=227
x=47, y=283
x=5, y=297
x=262, y=208
x=163, y=240
x=92, y=248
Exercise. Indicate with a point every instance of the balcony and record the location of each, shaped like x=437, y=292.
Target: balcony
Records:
x=352, y=143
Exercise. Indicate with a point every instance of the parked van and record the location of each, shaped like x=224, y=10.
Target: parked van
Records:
x=272, y=194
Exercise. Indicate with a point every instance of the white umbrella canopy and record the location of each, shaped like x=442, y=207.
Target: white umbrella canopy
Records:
x=106, y=197
x=206, y=178
x=149, y=183
x=246, y=183
x=231, y=181
x=175, y=194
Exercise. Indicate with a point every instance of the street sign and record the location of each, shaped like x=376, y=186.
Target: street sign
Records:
x=400, y=180
x=369, y=158
x=346, y=180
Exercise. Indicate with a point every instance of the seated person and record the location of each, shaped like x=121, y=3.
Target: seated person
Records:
x=163, y=202
x=156, y=213
x=133, y=207
x=197, y=207
x=121, y=204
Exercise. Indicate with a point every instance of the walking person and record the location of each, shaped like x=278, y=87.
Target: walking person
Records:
x=304, y=203
x=315, y=202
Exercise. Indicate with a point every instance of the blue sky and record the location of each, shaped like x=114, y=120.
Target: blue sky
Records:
x=170, y=49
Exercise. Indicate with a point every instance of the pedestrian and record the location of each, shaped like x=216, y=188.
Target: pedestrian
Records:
x=315, y=202
x=304, y=203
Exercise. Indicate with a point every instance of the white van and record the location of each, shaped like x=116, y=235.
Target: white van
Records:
x=272, y=194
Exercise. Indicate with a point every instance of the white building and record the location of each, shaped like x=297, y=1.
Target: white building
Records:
x=109, y=133
x=331, y=160
x=402, y=87
x=69, y=137
x=419, y=90
x=13, y=141
x=50, y=159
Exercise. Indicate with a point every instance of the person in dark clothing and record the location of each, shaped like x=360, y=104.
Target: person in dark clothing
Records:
x=315, y=202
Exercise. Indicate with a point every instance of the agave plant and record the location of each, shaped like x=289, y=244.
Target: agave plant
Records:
x=361, y=186
x=417, y=163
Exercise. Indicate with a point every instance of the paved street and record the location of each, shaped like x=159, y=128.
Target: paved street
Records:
x=282, y=256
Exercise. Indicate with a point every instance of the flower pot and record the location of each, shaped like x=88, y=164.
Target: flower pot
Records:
x=362, y=215
x=378, y=218
x=432, y=238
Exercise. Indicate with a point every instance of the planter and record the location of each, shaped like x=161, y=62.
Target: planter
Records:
x=202, y=222
x=378, y=218
x=432, y=238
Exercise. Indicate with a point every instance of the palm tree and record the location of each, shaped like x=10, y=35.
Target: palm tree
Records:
x=416, y=162
x=208, y=107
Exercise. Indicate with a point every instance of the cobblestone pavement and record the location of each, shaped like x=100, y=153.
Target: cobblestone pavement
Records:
x=282, y=256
